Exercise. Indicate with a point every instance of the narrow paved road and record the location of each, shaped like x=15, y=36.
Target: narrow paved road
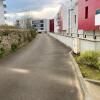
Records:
x=41, y=70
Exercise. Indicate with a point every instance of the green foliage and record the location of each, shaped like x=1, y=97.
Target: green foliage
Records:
x=5, y=32
x=2, y=52
x=90, y=73
x=7, y=27
x=89, y=59
x=21, y=36
x=14, y=47
x=33, y=32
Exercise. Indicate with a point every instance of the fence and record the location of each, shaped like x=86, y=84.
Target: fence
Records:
x=84, y=43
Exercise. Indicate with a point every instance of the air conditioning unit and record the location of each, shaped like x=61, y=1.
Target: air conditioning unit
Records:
x=76, y=45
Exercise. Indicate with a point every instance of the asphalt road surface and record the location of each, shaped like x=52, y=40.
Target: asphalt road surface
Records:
x=42, y=70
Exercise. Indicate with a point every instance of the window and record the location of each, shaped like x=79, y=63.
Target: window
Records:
x=33, y=22
x=41, y=21
x=75, y=19
x=42, y=28
x=98, y=11
x=86, y=12
x=42, y=25
x=34, y=25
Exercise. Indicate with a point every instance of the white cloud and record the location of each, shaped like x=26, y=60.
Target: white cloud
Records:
x=38, y=9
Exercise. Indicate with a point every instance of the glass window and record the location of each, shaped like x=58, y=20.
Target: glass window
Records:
x=86, y=12
x=42, y=25
x=42, y=28
x=98, y=11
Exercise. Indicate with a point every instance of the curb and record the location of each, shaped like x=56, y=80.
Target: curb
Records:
x=93, y=81
x=84, y=90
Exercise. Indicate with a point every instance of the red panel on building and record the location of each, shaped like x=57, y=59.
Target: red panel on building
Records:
x=86, y=14
x=51, y=25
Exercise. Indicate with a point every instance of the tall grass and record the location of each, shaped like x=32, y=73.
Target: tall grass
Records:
x=90, y=59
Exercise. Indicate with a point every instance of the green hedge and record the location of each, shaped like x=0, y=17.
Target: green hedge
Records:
x=2, y=52
x=14, y=47
x=90, y=59
x=22, y=37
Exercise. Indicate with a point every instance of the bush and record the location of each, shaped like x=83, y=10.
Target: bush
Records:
x=5, y=32
x=7, y=27
x=33, y=32
x=90, y=59
x=14, y=47
x=29, y=38
x=2, y=52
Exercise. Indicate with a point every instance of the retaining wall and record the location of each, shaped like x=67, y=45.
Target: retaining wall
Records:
x=85, y=44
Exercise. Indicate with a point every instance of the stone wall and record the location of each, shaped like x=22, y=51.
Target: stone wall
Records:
x=18, y=37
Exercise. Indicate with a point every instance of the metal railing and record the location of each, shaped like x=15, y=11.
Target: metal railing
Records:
x=85, y=36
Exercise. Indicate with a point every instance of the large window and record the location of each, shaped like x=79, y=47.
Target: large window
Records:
x=42, y=28
x=41, y=25
x=41, y=21
x=86, y=12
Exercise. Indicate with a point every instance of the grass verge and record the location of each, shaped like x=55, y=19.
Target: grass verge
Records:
x=89, y=72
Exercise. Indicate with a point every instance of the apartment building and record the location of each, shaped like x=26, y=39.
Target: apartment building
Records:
x=79, y=23
x=2, y=12
x=42, y=25
x=23, y=23
x=66, y=20
x=89, y=17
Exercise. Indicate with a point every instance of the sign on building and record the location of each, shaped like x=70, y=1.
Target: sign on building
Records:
x=97, y=18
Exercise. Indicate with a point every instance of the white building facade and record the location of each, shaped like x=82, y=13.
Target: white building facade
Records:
x=76, y=31
x=2, y=11
x=42, y=25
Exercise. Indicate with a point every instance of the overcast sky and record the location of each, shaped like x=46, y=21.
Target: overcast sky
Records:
x=20, y=5
x=40, y=8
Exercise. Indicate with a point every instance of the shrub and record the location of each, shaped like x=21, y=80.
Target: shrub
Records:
x=7, y=27
x=5, y=32
x=33, y=32
x=14, y=47
x=90, y=59
x=2, y=52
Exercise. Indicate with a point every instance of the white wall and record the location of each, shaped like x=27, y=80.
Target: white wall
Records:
x=85, y=44
x=2, y=18
x=74, y=26
x=55, y=25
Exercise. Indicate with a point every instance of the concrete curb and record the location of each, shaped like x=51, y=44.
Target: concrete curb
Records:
x=93, y=81
x=84, y=89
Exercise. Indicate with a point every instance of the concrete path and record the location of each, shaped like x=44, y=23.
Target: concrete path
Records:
x=94, y=90
x=40, y=71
